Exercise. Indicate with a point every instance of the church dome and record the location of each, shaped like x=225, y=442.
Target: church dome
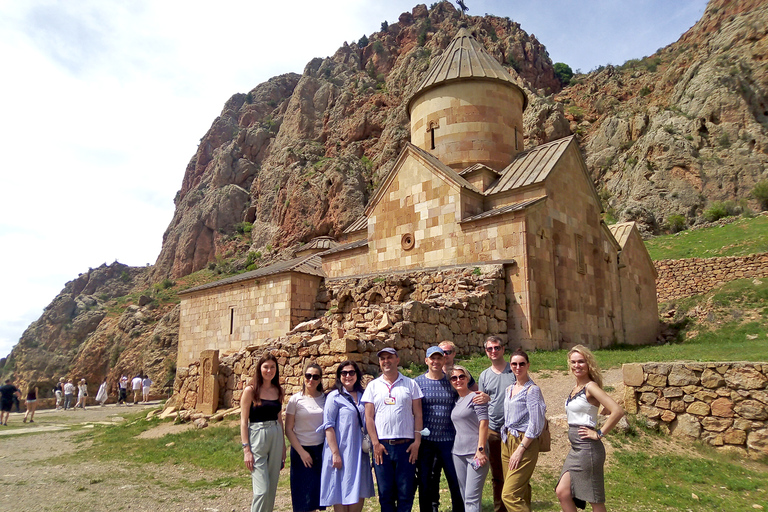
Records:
x=468, y=109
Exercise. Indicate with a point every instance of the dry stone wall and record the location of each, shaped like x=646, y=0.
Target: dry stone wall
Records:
x=721, y=404
x=409, y=311
x=684, y=278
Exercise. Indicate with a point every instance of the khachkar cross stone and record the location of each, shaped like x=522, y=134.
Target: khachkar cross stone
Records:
x=208, y=385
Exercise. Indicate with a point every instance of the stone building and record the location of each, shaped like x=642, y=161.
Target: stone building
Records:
x=463, y=192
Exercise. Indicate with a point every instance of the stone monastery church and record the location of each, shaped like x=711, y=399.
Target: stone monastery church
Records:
x=462, y=193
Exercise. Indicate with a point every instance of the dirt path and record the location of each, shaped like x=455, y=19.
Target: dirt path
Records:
x=29, y=481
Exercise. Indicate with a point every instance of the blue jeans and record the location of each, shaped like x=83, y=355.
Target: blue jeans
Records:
x=435, y=456
x=68, y=401
x=396, y=478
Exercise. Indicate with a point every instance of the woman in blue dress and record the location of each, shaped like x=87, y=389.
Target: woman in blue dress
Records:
x=347, y=479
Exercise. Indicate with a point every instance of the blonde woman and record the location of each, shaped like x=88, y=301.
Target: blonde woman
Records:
x=82, y=393
x=470, y=446
x=581, y=479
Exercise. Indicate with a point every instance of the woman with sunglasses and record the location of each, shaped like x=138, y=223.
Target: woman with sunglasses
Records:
x=346, y=475
x=303, y=416
x=581, y=479
x=470, y=446
x=524, y=419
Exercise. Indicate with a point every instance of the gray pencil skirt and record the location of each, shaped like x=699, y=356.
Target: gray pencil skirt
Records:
x=585, y=464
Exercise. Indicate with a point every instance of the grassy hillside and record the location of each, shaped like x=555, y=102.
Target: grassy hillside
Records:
x=740, y=238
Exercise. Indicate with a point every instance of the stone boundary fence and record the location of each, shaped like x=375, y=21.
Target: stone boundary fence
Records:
x=684, y=278
x=407, y=311
x=721, y=404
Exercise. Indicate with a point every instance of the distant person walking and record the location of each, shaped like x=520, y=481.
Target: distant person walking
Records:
x=31, y=403
x=82, y=393
x=69, y=394
x=7, y=392
x=102, y=395
x=136, y=386
x=59, y=392
x=122, y=386
x=145, y=385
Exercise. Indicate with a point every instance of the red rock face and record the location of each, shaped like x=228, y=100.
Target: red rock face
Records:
x=299, y=156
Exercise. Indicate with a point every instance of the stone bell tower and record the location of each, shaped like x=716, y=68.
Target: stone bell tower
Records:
x=468, y=110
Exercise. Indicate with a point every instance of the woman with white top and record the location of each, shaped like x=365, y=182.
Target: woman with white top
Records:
x=82, y=393
x=524, y=419
x=303, y=416
x=101, y=394
x=582, y=480
x=470, y=446
x=146, y=384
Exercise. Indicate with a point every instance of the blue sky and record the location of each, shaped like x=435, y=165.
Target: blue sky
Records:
x=102, y=105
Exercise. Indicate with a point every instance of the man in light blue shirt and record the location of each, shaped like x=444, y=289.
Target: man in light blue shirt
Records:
x=393, y=417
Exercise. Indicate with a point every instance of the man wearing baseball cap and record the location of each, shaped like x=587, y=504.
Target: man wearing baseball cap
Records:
x=393, y=418
x=435, y=450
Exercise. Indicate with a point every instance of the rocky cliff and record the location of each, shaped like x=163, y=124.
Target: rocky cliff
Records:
x=106, y=323
x=673, y=132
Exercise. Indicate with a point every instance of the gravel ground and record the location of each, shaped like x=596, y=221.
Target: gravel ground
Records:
x=31, y=481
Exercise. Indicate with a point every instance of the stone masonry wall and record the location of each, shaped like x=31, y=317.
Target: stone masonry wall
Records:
x=692, y=276
x=410, y=311
x=721, y=404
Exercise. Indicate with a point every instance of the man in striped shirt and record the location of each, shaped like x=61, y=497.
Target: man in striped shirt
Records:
x=435, y=449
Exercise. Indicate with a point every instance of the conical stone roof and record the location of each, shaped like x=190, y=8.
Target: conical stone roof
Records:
x=465, y=59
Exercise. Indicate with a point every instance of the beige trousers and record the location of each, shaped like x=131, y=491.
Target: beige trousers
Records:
x=516, y=493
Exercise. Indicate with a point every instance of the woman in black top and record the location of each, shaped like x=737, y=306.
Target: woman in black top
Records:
x=261, y=432
x=31, y=403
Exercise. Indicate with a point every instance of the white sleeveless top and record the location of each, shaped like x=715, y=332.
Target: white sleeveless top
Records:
x=580, y=411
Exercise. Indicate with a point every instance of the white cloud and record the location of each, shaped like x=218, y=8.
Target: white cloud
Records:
x=103, y=103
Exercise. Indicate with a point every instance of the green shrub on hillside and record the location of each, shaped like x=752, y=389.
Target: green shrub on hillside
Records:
x=720, y=209
x=243, y=227
x=760, y=193
x=363, y=41
x=675, y=223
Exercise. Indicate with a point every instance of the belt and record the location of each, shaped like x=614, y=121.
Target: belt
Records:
x=395, y=441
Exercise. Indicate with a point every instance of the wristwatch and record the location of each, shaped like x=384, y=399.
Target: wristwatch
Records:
x=480, y=449
x=246, y=445
x=599, y=433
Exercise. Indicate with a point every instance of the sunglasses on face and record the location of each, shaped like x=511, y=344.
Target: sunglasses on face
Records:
x=492, y=349
x=456, y=378
x=517, y=364
x=348, y=373
x=311, y=376
x=448, y=352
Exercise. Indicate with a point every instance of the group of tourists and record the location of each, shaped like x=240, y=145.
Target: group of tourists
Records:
x=65, y=392
x=411, y=431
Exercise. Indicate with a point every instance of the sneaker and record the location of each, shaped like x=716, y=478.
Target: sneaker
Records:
x=31, y=421
x=25, y=420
